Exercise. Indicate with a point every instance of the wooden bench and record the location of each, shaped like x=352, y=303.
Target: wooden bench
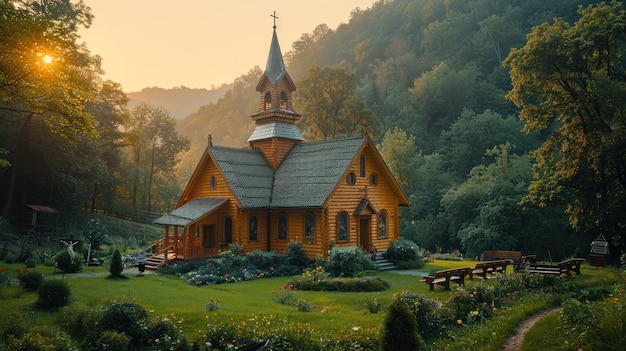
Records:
x=444, y=277
x=565, y=267
x=483, y=269
x=571, y=265
x=501, y=255
x=544, y=269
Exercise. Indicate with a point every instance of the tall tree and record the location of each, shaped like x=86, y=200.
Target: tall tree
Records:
x=154, y=146
x=572, y=78
x=401, y=155
x=327, y=99
x=45, y=75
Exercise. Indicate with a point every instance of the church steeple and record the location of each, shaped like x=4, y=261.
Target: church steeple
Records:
x=275, y=132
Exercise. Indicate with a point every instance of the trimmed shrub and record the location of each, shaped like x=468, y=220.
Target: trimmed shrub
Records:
x=63, y=261
x=400, y=331
x=345, y=262
x=403, y=250
x=117, y=266
x=53, y=293
x=31, y=280
x=296, y=255
x=82, y=323
x=425, y=311
x=40, y=339
x=125, y=317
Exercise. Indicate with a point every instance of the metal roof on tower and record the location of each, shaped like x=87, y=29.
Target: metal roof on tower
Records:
x=275, y=67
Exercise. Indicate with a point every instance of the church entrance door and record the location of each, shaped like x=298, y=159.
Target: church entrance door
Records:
x=364, y=234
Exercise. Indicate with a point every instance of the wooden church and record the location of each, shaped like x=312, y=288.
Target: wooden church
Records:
x=280, y=188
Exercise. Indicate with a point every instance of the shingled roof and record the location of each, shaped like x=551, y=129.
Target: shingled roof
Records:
x=248, y=174
x=311, y=171
x=305, y=179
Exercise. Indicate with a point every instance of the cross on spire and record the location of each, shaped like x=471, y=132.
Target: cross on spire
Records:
x=275, y=18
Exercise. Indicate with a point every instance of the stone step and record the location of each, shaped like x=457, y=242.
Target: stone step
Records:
x=382, y=263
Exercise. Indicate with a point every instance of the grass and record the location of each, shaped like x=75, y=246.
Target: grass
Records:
x=251, y=302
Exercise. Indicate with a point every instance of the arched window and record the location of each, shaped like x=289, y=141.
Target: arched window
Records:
x=252, y=233
x=343, y=227
x=362, y=166
x=382, y=224
x=268, y=100
x=283, y=100
x=282, y=227
x=228, y=230
x=309, y=227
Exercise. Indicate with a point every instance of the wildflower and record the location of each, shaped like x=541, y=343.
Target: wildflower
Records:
x=459, y=322
x=474, y=313
x=356, y=328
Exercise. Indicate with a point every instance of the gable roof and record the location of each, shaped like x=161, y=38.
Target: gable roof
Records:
x=311, y=171
x=191, y=211
x=247, y=173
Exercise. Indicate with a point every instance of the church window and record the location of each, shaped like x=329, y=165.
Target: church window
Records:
x=382, y=224
x=362, y=166
x=252, y=233
x=268, y=101
x=351, y=179
x=309, y=228
x=283, y=100
x=228, y=230
x=213, y=182
x=374, y=179
x=282, y=227
x=342, y=227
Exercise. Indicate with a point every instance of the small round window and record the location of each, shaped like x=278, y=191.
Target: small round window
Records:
x=351, y=178
x=213, y=182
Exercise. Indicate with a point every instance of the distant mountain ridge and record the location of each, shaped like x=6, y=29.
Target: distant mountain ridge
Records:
x=179, y=101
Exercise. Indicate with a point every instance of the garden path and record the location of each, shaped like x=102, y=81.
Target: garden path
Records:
x=514, y=341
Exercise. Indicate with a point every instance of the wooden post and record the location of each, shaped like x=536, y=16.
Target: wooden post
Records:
x=176, y=240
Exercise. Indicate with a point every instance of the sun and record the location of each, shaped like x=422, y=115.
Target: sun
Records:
x=47, y=59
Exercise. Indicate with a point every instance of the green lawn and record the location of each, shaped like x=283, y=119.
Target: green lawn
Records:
x=164, y=295
x=251, y=302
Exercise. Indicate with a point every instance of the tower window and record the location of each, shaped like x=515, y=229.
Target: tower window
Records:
x=283, y=100
x=268, y=101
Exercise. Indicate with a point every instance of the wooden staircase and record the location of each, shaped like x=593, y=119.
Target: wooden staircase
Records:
x=382, y=263
x=159, y=259
x=155, y=262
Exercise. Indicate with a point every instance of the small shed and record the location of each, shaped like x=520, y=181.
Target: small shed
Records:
x=40, y=219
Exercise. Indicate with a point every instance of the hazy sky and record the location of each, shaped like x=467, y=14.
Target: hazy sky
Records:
x=199, y=43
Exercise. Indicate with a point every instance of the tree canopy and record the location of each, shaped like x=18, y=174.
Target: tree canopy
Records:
x=571, y=79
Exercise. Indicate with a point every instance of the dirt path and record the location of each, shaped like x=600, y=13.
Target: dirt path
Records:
x=514, y=341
